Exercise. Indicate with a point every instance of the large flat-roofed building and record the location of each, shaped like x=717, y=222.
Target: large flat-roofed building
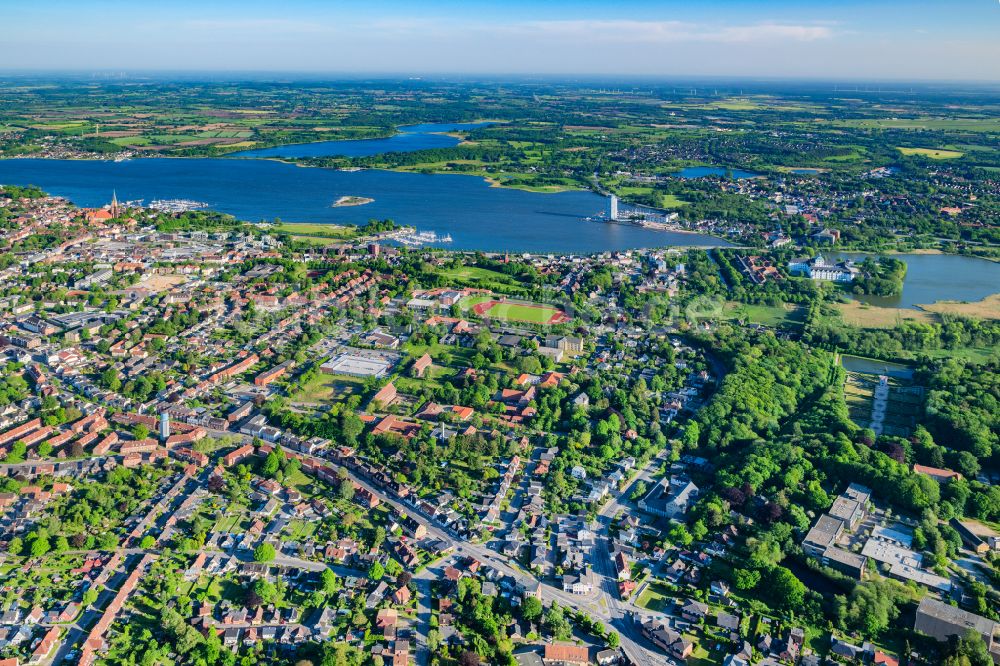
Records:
x=941, y=621
x=851, y=506
x=846, y=514
x=356, y=365
x=564, y=343
x=844, y=561
x=904, y=564
x=976, y=536
x=670, y=498
x=822, y=535
x=849, y=511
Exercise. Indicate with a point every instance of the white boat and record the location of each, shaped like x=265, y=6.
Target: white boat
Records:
x=176, y=205
x=417, y=238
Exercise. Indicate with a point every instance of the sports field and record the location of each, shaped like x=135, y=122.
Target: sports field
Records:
x=932, y=153
x=530, y=313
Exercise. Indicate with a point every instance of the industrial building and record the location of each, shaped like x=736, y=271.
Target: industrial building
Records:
x=358, y=365
x=942, y=621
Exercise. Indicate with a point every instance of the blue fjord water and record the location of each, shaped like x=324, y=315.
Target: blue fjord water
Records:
x=477, y=216
x=937, y=277
x=409, y=138
x=704, y=171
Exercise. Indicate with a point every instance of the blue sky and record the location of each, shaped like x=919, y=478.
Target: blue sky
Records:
x=840, y=39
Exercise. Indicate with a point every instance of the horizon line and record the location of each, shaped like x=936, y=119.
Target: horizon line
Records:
x=111, y=72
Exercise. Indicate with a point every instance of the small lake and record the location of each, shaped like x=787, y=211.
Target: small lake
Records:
x=871, y=366
x=938, y=277
x=721, y=172
x=477, y=216
x=806, y=172
x=409, y=139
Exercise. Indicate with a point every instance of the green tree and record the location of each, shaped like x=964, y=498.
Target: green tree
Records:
x=680, y=536
x=17, y=452
x=328, y=581
x=40, y=545
x=264, y=553
x=265, y=591
x=785, y=589
x=110, y=379
x=376, y=571
x=746, y=579
x=271, y=464
x=531, y=609
x=15, y=546
x=393, y=568
x=968, y=650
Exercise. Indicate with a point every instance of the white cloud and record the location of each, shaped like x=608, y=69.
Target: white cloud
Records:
x=772, y=31
x=255, y=25
x=665, y=32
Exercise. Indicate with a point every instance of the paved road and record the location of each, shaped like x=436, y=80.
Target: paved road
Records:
x=602, y=604
x=424, y=610
x=88, y=618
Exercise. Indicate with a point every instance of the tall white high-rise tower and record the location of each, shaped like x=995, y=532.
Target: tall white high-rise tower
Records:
x=164, y=426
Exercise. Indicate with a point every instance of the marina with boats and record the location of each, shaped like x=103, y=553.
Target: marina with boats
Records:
x=414, y=238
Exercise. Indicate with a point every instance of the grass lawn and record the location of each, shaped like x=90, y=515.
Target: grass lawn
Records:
x=523, y=181
x=858, y=397
x=871, y=316
x=320, y=230
x=470, y=301
x=326, y=388
x=130, y=141
x=413, y=386
x=226, y=134
x=443, y=355
x=302, y=483
x=655, y=597
x=847, y=157
x=932, y=153
x=788, y=169
x=976, y=355
x=705, y=652
x=786, y=315
x=229, y=524
x=988, y=308
x=476, y=275
x=672, y=201
x=211, y=444
x=185, y=588
x=955, y=124
x=529, y=313
x=319, y=241
x=523, y=312
x=300, y=530
x=173, y=138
